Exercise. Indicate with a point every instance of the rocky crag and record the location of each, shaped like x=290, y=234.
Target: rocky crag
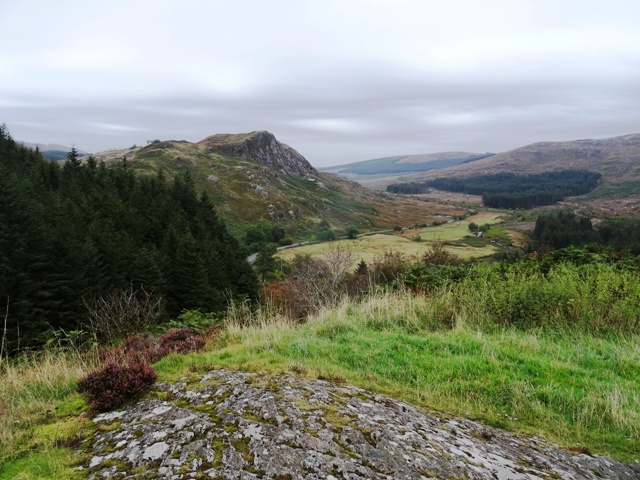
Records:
x=262, y=147
x=234, y=425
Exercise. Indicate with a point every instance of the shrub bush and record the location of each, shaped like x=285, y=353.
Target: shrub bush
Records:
x=123, y=312
x=439, y=255
x=112, y=385
x=134, y=349
x=196, y=321
x=389, y=266
x=180, y=340
x=139, y=349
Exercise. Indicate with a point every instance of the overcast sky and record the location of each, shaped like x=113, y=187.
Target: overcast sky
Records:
x=340, y=81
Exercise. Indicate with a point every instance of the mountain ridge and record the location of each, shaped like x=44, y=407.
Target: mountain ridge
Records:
x=53, y=151
x=368, y=171
x=586, y=154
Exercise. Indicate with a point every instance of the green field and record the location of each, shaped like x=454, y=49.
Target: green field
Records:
x=368, y=247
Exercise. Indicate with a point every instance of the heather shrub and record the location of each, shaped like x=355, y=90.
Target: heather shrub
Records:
x=138, y=349
x=180, y=340
x=113, y=384
x=134, y=349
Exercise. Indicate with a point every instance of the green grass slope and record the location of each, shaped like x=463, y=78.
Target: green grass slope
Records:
x=575, y=388
x=548, y=349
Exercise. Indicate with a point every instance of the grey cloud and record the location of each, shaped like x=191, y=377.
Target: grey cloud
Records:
x=381, y=117
x=383, y=93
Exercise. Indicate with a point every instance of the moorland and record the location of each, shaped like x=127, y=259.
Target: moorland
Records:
x=452, y=309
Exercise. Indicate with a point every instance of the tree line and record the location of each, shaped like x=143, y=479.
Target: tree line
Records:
x=410, y=188
x=75, y=231
x=508, y=190
x=563, y=228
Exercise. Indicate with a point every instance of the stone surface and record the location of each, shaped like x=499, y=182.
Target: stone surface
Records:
x=235, y=425
x=262, y=147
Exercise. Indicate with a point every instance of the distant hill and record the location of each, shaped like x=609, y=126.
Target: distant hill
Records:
x=53, y=151
x=252, y=175
x=388, y=168
x=617, y=159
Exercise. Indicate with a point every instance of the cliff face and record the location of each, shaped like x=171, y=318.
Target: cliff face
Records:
x=261, y=147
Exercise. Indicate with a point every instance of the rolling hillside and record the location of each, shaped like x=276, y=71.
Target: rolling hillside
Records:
x=617, y=159
x=388, y=169
x=252, y=176
x=53, y=151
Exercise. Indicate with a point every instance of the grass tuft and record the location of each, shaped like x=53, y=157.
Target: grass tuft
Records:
x=36, y=390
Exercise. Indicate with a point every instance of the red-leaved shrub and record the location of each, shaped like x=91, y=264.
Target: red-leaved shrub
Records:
x=112, y=385
x=137, y=349
x=180, y=340
x=134, y=349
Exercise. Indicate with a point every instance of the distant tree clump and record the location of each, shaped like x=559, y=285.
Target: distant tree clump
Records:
x=352, y=232
x=408, y=188
x=263, y=232
x=77, y=232
x=325, y=235
x=507, y=190
x=564, y=228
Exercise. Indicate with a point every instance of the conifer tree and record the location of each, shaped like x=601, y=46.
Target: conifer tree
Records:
x=80, y=231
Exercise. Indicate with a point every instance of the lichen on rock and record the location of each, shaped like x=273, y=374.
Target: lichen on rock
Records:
x=236, y=425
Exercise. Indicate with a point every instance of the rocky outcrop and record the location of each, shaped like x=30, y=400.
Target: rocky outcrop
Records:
x=261, y=147
x=235, y=425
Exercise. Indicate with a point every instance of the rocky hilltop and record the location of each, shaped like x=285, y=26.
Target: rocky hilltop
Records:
x=261, y=147
x=235, y=425
x=249, y=176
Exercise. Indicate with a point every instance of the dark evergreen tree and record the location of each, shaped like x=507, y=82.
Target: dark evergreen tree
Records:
x=265, y=264
x=69, y=234
x=188, y=286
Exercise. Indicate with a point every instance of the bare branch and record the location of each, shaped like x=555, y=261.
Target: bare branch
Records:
x=122, y=313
